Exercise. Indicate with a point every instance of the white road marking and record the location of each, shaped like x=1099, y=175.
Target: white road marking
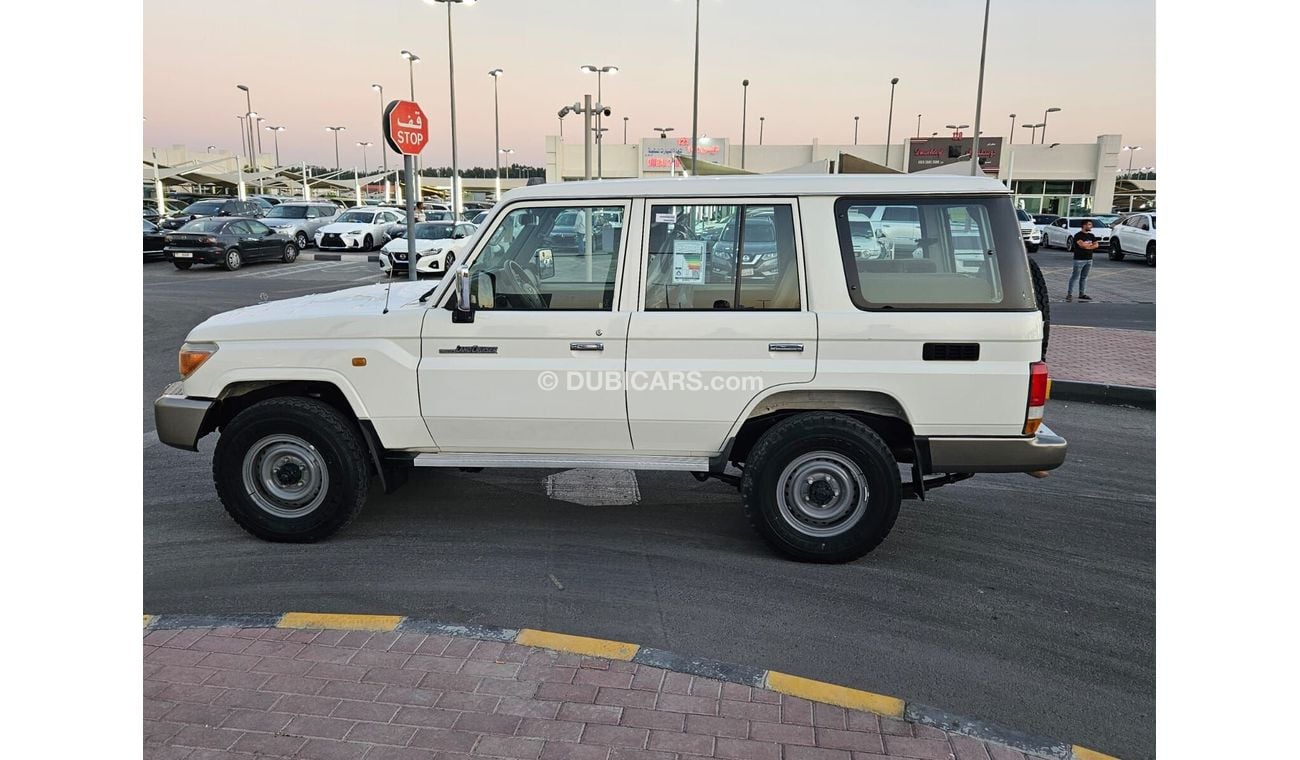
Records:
x=594, y=488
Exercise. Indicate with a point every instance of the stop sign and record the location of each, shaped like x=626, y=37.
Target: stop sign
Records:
x=405, y=127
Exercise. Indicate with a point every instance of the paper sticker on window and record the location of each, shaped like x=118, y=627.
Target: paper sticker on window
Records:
x=688, y=262
x=668, y=218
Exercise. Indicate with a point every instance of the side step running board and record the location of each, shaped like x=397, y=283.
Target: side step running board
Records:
x=564, y=461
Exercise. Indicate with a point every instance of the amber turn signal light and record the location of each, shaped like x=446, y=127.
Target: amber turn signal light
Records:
x=191, y=358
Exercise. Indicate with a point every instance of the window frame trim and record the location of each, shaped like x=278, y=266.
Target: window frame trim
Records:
x=721, y=200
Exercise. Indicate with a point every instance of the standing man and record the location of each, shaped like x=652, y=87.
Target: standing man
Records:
x=419, y=217
x=1084, y=244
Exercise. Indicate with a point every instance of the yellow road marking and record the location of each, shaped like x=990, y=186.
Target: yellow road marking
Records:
x=817, y=691
x=339, y=621
x=610, y=650
x=1083, y=753
x=147, y=618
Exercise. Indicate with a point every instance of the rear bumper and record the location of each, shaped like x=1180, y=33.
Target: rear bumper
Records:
x=195, y=255
x=1045, y=451
x=180, y=419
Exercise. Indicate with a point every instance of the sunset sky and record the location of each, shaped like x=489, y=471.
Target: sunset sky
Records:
x=812, y=66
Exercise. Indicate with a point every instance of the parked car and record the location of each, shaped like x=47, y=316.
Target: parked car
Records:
x=760, y=258
x=358, y=229
x=1136, y=234
x=170, y=207
x=153, y=240
x=479, y=218
x=301, y=219
x=260, y=205
x=209, y=207
x=1028, y=231
x=227, y=243
x=274, y=200
x=1060, y=233
x=815, y=393
x=1042, y=220
x=438, y=245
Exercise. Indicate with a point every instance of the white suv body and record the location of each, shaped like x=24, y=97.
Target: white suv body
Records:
x=815, y=366
x=1060, y=233
x=1135, y=234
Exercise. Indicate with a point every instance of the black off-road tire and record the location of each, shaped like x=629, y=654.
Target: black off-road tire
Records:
x=334, y=437
x=1151, y=254
x=1042, y=299
x=804, y=434
x=183, y=264
x=1116, y=250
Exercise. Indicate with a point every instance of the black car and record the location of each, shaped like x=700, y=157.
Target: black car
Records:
x=228, y=243
x=154, y=239
x=210, y=207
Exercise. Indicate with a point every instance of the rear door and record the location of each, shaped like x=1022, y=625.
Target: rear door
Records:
x=722, y=319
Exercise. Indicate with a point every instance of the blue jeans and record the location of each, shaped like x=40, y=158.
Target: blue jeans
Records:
x=1080, y=274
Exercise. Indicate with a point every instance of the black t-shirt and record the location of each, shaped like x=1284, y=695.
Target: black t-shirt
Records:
x=1079, y=253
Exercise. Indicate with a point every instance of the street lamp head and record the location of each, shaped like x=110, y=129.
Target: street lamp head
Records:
x=454, y=2
x=377, y=87
x=1052, y=110
x=1013, y=116
x=563, y=112
x=1132, y=147
x=494, y=73
x=744, y=83
x=412, y=57
x=1053, y=145
x=335, y=129
x=243, y=87
x=507, y=150
x=364, y=144
x=894, y=80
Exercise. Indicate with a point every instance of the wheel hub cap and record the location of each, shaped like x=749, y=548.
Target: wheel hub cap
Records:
x=822, y=494
x=285, y=475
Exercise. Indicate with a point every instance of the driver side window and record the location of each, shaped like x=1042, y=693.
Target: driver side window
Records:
x=551, y=258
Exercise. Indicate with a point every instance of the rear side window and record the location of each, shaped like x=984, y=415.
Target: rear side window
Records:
x=934, y=254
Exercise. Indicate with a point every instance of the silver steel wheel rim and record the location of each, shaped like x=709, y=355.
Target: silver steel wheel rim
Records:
x=290, y=252
x=232, y=259
x=285, y=476
x=822, y=494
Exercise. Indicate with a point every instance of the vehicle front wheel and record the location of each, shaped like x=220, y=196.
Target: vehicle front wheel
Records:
x=448, y=262
x=301, y=241
x=369, y=244
x=183, y=264
x=1116, y=250
x=291, y=469
x=232, y=260
x=1069, y=243
x=1151, y=253
x=821, y=487
x=290, y=253
x=1030, y=247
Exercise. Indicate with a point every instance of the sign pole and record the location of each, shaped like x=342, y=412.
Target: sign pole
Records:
x=410, y=220
x=586, y=140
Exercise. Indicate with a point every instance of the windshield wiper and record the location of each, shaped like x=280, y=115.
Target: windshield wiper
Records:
x=428, y=293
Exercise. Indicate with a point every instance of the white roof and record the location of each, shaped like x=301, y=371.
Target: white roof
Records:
x=765, y=184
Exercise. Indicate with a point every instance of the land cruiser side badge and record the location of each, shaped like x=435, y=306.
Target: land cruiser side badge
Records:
x=469, y=350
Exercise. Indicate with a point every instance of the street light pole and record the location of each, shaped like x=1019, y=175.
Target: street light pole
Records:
x=918, y=125
x=979, y=95
x=1043, y=139
x=451, y=75
x=411, y=60
x=744, y=109
x=600, y=102
x=1012, y=140
x=496, y=108
x=761, y=119
x=336, y=131
x=275, y=135
x=625, y=118
x=1131, y=150
x=889, y=125
x=695, y=107
x=365, y=162
x=383, y=144
x=248, y=98
x=855, y=130
x=1033, y=131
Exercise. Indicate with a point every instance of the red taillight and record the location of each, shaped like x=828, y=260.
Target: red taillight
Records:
x=210, y=240
x=1039, y=387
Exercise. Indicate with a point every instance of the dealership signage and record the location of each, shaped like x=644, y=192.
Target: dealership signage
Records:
x=659, y=154
x=929, y=152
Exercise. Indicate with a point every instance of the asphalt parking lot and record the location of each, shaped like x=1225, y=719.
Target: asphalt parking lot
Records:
x=1124, y=292
x=1025, y=602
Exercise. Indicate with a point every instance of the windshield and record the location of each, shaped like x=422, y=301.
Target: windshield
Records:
x=1023, y=215
x=287, y=212
x=203, y=207
x=433, y=231
x=360, y=217
x=204, y=225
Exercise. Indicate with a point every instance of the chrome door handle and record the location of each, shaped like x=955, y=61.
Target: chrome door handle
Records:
x=586, y=346
x=784, y=347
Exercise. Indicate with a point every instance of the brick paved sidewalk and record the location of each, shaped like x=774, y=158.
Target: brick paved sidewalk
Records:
x=1101, y=355
x=282, y=693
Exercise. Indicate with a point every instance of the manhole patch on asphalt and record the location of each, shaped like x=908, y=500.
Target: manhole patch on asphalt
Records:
x=594, y=488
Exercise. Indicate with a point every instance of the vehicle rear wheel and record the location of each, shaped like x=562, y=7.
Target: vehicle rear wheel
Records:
x=1151, y=253
x=301, y=240
x=369, y=244
x=1042, y=299
x=290, y=252
x=232, y=260
x=183, y=264
x=821, y=487
x=291, y=469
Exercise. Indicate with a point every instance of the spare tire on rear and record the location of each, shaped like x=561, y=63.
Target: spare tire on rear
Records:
x=1041, y=298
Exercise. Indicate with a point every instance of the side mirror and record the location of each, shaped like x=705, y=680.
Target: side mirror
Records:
x=545, y=264
x=458, y=236
x=464, y=311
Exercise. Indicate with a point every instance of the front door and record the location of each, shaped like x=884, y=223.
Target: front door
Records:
x=722, y=320
x=539, y=368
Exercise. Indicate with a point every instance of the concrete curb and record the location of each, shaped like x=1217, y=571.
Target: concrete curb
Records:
x=369, y=257
x=1101, y=393
x=815, y=691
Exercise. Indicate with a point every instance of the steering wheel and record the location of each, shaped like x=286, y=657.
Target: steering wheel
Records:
x=520, y=282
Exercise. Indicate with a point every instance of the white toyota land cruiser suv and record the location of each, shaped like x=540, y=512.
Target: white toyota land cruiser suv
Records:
x=725, y=326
